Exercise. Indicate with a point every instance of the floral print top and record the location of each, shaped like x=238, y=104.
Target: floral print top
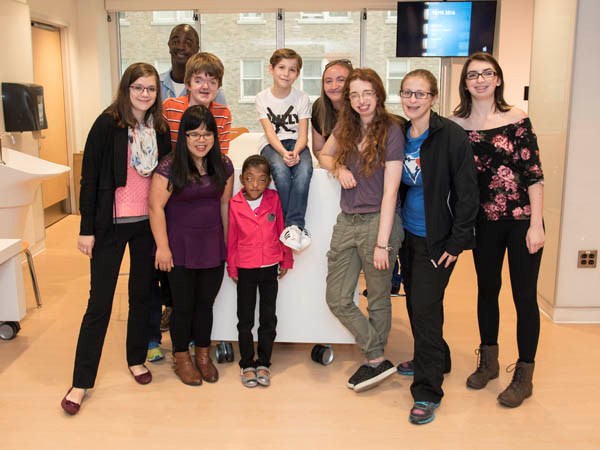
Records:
x=508, y=162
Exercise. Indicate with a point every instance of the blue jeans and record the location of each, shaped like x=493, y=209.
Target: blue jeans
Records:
x=292, y=183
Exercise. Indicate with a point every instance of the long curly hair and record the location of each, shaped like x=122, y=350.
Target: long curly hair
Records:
x=350, y=132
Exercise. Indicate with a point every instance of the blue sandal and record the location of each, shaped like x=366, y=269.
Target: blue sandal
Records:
x=406, y=368
x=422, y=412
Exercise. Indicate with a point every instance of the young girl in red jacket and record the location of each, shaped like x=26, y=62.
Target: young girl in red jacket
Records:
x=256, y=258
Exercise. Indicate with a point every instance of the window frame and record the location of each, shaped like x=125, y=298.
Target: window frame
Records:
x=301, y=78
x=320, y=17
x=393, y=97
x=180, y=17
x=258, y=19
x=251, y=98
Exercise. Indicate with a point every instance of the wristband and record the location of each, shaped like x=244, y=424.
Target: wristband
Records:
x=384, y=247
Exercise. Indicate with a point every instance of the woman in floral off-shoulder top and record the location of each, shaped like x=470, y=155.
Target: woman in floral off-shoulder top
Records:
x=511, y=194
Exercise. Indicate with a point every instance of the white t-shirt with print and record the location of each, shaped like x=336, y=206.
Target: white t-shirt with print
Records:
x=283, y=113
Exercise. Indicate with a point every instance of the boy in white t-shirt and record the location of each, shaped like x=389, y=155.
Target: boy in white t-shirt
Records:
x=284, y=113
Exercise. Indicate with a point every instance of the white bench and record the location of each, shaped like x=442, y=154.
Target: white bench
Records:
x=303, y=314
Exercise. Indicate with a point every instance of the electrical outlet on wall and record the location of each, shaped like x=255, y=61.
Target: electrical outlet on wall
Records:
x=586, y=259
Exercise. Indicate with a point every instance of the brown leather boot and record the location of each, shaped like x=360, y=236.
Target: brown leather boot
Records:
x=487, y=367
x=185, y=370
x=521, y=386
x=205, y=366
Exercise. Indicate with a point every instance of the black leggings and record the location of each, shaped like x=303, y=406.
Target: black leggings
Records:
x=493, y=238
x=193, y=292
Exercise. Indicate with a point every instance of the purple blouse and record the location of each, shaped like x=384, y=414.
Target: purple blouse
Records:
x=508, y=162
x=194, y=225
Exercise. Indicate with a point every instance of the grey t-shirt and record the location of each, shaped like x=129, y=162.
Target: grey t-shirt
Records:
x=366, y=196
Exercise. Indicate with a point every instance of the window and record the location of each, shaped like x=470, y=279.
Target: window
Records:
x=310, y=81
x=396, y=69
x=325, y=16
x=326, y=41
x=391, y=17
x=162, y=65
x=251, y=77
x=318, y=37
x=251, y=19
x=380, y=55
x=123, y=20
x=172, y=17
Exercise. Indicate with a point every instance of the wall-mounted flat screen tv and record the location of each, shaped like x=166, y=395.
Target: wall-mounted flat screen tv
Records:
x=445, y=28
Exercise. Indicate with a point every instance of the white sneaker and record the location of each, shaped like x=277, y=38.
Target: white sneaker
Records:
x=290, y=236
x=305, y=239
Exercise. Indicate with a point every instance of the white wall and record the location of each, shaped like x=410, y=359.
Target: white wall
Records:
x=86, y=30
x=16, y=66
x=512, y=49
x=84, y=27
x=550, y=93
x=577, y=294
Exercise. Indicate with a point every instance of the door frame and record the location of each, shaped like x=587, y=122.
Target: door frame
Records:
x=65, y=39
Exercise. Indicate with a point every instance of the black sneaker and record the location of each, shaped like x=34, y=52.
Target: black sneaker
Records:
x=372, y=376
x=358, y=375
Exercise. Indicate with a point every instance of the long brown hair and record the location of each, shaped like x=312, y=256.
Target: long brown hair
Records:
x=349, y=131
x=463, y=109
x=121, y=108
x=326, y=112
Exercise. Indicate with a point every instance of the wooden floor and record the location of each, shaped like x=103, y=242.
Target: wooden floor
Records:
x=307, y=407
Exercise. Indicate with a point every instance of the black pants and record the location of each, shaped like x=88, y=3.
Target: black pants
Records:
x=493, y=238
x=160, y=295
x=424, y=286
x=193, y=292
x=265, y=279
x=107, y=255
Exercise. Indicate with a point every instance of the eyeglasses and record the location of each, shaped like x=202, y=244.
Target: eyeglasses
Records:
x=365, y=95
x=343, y=62
x=486, y=74
x=139, y=89
x=406, y=93
x=195, y=136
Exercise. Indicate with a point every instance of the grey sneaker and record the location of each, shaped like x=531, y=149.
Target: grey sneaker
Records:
x=373, y=376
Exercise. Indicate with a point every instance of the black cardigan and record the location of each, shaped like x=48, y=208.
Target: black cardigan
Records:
x=104, y=168
x=450, y=188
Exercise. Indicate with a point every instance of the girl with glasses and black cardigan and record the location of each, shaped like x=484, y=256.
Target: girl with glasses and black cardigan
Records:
x=121, y=152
